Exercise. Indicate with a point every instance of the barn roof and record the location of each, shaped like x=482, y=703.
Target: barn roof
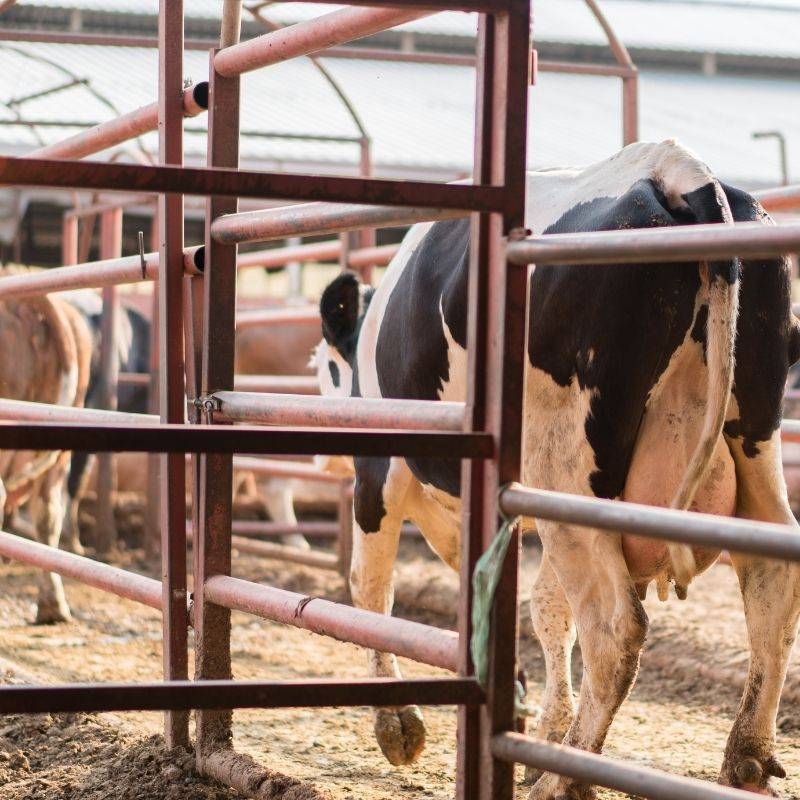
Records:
x=419, y=115
x=752, y=27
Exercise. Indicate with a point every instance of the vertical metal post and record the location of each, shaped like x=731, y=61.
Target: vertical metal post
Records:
x=497, y=320
x=630, y=109
x=69, y=240
x=212, y=545
x=110, y=247
x=171, y=387
x=366, y=237
x=152, y=532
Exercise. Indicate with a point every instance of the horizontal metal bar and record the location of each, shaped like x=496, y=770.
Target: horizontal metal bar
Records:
x=279, y=384
x=423, y=643
x=93, y=209
x=310, y=36
x=276, y=468
x=264, y=317
x=256, y=528
x=222, y=182
x=95, y=39
x=117, y=581
x=238, y=694
x=316, y=251
x=122, y=129
x=576, y=68
x=91, y=275
x=316, y=219
x=782, y=198
x=26, y=411
x=246, y=439
x=677, y=244
x=344, y=412
x=281, y=552
x=592, y=768
x=689, y=527
x=281, y=256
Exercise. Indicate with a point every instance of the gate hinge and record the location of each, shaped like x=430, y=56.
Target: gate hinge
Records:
x=207, y=405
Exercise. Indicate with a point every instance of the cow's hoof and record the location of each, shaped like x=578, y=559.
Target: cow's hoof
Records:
x=400, y=734
x=753, y=774
x=296, y=540
x=52, y=614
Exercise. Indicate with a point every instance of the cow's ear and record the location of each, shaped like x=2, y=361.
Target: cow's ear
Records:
x=339, y=308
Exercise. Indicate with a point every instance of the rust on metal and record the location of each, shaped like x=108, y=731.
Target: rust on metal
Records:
x=413, y=640
x=117, y=581
x=228, y=182
x=677, y=244
x=783, y=198
x=218, y=694
x=315, y=219
x=705, y=530
x=310, y=36
x=121, y=129
x=302, y=315
x=349, y=412
x=92, y=275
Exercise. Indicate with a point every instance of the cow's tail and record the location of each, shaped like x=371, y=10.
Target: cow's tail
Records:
x=709, y=205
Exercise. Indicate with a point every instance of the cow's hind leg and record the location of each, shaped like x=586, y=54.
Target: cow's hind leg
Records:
x=48, y=511
x=612, y=626
x=554, y=626
x=771, y=595
x=379, y=495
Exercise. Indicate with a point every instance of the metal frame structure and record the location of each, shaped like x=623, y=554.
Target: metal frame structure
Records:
x=196, y=335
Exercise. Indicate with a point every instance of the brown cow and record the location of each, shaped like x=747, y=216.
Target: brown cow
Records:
x=46, y=347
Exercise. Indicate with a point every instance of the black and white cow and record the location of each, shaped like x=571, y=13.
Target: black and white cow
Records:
x=627, y=389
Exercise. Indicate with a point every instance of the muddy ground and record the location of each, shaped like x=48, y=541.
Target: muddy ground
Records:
x=676, y=719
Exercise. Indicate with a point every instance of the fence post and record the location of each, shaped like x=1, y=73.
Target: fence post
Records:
x=110, y=247
x=171, y=395
x=212, y=545
x=498, y=299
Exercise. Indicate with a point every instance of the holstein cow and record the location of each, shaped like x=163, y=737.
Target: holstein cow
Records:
x=627, y=395
x=45, y=348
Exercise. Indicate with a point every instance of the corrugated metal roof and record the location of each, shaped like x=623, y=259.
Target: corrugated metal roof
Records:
x=756, y=27
x=420, y=116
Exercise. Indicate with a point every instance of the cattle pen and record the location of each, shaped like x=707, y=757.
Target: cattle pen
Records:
x=197, y=325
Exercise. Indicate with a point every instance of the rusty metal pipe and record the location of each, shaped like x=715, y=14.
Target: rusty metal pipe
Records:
x=311, y=36
x=679, y=244
x=122, y=129
x=302, y=315
x=283, y=469
x=592, y=768
x=257, y=528
x=315, y=219
x=377, y=256
x=422, y=643
x=279, y=384
x=237, y=694
x=280, y=256
x=26, y=411
x=93, y=573
x=282, y=552
x=92, y=275
x=705, y=530
x=783, y=198
x=344, y=412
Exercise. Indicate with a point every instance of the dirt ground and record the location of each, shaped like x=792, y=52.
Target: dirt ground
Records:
x=677, y=717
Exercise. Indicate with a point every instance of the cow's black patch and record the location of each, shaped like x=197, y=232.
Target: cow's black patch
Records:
x=411, y=352
x=767, y=337
x=333, y=368
x=699, y=329
x=368, y=507
x=613, y=329
x=707, y=206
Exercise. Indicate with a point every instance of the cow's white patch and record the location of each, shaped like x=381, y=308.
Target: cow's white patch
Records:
x=455, y=387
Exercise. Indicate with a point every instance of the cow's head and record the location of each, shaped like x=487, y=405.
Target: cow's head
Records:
x=342, y=308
